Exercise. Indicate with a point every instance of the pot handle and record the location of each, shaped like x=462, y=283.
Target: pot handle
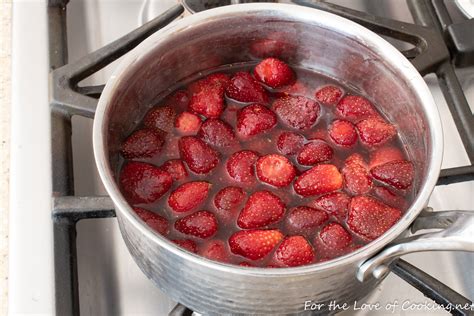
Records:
x=455, y=232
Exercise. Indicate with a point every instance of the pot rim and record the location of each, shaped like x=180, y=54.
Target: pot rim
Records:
x=307, y=15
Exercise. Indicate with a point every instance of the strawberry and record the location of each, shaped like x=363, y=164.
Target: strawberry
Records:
x=375, y=131
x=201, y=224
x=217, y=133
x=254, y=244
x=384, y=155
x=188, y=123
x=176, y=169
x=290, y=143
x=229, y=198
x=179, y=100
x=297, y=111
x=333, y=240
x=318, y=180
x=274, y=73
x=219, y=78
x=161, y=117
x=143, y=183
x=369, y=218
x=199, y=157
x=189, y=196
x=240, y=166
x=329, y=94
x=187, y=244
x=357, y=180
x=398, y=173
x=215, y=250
x=143, y=143
x=335, y=204
x=343, y=133
x=390, y=198
x=275, y=170
x=314, y=152
x=355, y=108
x=208, y=96
x=244, y=88
x=261, y=209
x=304, y=220
x=254, y=119
x=157, y=222
x=294, y=251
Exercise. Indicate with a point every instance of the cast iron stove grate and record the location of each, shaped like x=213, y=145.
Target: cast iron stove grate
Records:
x=439, y=47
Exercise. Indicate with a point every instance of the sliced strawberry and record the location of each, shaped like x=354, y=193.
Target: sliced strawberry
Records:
x=357, y=179
x=355, y=108
x=217, y=133
x=274, y=73
x=240, y=166
x=215, y=250
x=398, y=174
x=336, y=204
x=188, y=123
x=318, y=180
x=294, y=251
x=390, y=198
x=261, y=209
x=189, y=196
x=254, y=244
x=255, y=119
x=384, y=155
x=176, y=168
x=290, y=143
x=304, y=220
x=157, y=222
x=202, y=224
x=275, y=170
x=329, y=95
x=229, y=198
x=199, y=157
x=333, y=240
x=297, y=111
x=161, y=117
x=143, y=143
x=143, y=183
x=343, y=133
x=208, y=97
x=369, y=218
x=244, y=88
x=314, y=152
x=187, y=244
x=375, y=131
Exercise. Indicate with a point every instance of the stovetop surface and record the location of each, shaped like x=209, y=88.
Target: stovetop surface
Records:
x=110, y=283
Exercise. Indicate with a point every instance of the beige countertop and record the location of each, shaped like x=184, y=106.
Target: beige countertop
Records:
x=5, y=97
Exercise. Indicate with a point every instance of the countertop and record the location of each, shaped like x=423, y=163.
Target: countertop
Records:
x=5, y=98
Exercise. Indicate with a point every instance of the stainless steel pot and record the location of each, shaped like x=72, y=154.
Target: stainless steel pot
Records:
x=317, y=40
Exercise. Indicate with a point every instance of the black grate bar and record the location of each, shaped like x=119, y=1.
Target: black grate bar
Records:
x=75, y=208
x=455, y=175
x=450, y=300
x=67, y=96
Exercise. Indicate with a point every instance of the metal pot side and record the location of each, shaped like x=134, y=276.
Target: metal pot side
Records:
x=311, y=39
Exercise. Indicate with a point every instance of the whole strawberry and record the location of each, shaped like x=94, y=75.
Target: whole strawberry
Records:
x=143, y=143
x=294, y=251
x=254, y=244
x=189, y=196
x=274, y=73
x=262, y=208
x=202, y=224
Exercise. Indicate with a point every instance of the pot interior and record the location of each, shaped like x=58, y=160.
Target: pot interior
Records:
x=304, y=41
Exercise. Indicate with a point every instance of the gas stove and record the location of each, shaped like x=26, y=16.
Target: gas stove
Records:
x=74, y=260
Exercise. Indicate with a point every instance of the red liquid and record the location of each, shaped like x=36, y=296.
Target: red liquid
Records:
x=264, y=143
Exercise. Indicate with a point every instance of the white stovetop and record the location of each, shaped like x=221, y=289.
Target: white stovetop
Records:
x=110, y=282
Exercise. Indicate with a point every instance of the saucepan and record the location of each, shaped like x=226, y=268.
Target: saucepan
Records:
x=312, y=39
